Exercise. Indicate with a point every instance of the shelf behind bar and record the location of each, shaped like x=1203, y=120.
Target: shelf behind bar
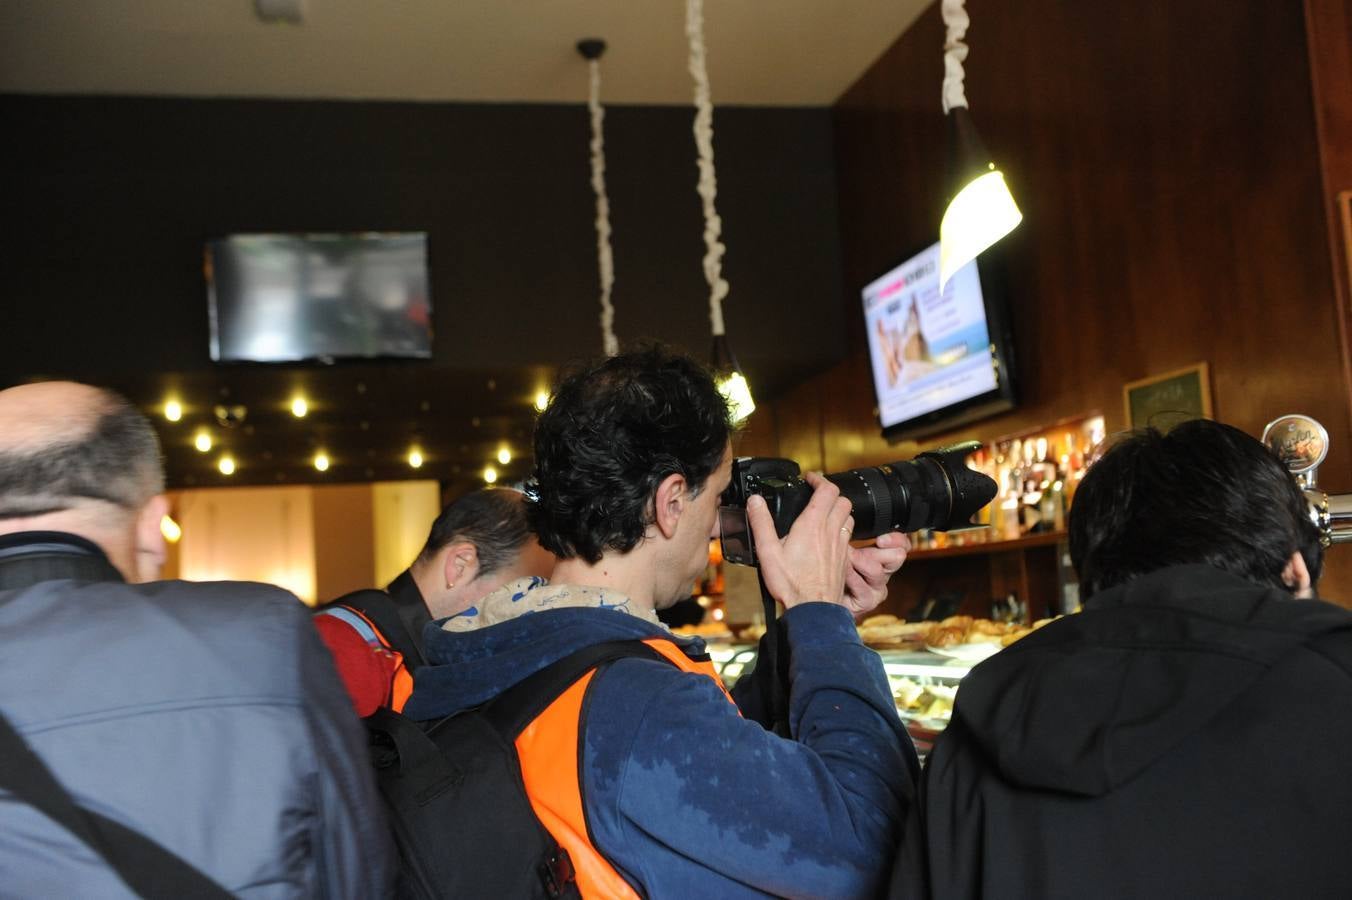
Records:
x=982, y=549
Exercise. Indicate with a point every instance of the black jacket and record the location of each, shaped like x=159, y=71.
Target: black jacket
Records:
x=1188, y=735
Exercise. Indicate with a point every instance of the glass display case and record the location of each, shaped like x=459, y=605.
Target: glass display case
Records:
x=924, y=684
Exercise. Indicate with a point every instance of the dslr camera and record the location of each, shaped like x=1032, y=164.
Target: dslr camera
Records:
x=935, y=490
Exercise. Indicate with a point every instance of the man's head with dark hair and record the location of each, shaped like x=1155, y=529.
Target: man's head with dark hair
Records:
x=1202, y=493
x=480, y=541
x=611, y=434
x=83, y=460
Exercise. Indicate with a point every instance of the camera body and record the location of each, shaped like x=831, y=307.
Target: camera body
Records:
x=934, y=490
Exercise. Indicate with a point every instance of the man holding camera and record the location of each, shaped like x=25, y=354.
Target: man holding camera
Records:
x=1185, y=735
x=644, y=770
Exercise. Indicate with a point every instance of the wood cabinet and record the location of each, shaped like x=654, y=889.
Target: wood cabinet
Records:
x=1034, y=569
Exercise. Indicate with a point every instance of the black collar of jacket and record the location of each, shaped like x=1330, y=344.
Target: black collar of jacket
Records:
x=405, y=591
x=30, y=557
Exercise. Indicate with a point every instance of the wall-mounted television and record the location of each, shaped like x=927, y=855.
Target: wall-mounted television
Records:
x=939, y=360
x=296, y=297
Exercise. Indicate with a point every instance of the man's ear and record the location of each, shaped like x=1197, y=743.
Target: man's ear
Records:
x=1296, y=576
x=673, y=494
x=149, y=540
x=460, y=564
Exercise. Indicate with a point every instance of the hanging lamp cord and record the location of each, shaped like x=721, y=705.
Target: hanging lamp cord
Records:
x=955, y=52
x=708, y=182
x=605, y=261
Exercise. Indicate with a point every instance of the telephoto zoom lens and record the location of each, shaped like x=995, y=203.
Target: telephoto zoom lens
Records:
x=934, y=490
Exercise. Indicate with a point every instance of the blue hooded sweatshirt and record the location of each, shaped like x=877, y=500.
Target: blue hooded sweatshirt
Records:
x=683, y=796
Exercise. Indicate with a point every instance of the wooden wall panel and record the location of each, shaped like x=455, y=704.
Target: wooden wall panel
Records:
x=345, y=544
x=1167, y=161
x=798, y=416
x=1328, y=24
x=758, y=435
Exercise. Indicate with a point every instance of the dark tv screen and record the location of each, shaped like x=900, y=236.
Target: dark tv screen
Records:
x=294, y=297
x=940, y=359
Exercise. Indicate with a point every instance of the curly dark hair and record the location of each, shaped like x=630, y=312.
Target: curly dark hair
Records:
x=612, y=432
x=1202, y=493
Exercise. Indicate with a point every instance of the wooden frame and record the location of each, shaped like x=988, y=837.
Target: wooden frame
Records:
x=1165, y=400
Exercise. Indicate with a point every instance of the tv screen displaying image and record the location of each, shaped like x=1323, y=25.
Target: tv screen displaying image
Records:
x=939, y=359
x=294, y=297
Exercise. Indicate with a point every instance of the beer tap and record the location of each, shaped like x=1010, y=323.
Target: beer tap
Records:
x=1303, y=444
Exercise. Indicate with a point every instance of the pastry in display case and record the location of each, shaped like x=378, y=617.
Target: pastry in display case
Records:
x=925, y=662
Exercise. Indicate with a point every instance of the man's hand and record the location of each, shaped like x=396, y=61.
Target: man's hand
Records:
x=870, y=569
x=811, y=561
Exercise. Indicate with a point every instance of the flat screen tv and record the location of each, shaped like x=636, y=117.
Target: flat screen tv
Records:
x=939, y=360
x=295, y=297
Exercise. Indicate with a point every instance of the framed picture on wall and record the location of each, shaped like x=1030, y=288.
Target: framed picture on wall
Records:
x=1162, y=401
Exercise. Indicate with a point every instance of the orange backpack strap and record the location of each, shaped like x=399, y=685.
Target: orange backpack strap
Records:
x=549, y=750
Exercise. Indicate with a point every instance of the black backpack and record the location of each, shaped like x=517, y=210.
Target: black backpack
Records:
x=456, y=802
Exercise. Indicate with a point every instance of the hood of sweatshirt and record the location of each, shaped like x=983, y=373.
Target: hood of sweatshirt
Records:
x=1089, y=701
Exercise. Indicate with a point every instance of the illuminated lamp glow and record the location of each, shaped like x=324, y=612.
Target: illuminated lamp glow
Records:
x=171, y=530
x=979, y=215
x=734, y=388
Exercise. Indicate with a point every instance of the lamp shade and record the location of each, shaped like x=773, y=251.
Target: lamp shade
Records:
x=981, y=210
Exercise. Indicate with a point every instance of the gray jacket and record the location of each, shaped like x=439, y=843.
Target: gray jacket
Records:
x=206, y=716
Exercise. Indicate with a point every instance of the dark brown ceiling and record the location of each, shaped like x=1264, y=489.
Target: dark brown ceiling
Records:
x=109, y=202
x=364, y=417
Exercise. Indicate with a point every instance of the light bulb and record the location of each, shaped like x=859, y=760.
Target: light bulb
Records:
x=415, y=459
x=299, y=407
x=541, y=400
x=322, y=462
x=226, y=465
x=504, y=456
x=173, y=410
x=202, y=442
x=490, y=474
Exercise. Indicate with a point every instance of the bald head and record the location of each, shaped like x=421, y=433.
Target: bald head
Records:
x=67, y=446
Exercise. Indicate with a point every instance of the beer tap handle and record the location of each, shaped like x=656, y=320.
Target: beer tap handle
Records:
x=1303, y=444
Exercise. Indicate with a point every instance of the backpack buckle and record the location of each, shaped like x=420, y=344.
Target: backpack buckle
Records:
x=557, y=872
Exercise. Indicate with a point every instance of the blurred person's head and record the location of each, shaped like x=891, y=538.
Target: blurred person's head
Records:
x=630, y=459
x=1202, y=493
x=82, y=460
x=480, y=542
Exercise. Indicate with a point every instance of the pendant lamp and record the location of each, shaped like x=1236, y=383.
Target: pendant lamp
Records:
x=732, y=383
x=981, y=209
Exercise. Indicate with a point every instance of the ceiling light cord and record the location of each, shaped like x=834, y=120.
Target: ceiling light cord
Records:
x=708, y=183
x=955, y=53
x=605, y=260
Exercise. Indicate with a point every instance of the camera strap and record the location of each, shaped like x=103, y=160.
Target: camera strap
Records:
x=772, y=669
